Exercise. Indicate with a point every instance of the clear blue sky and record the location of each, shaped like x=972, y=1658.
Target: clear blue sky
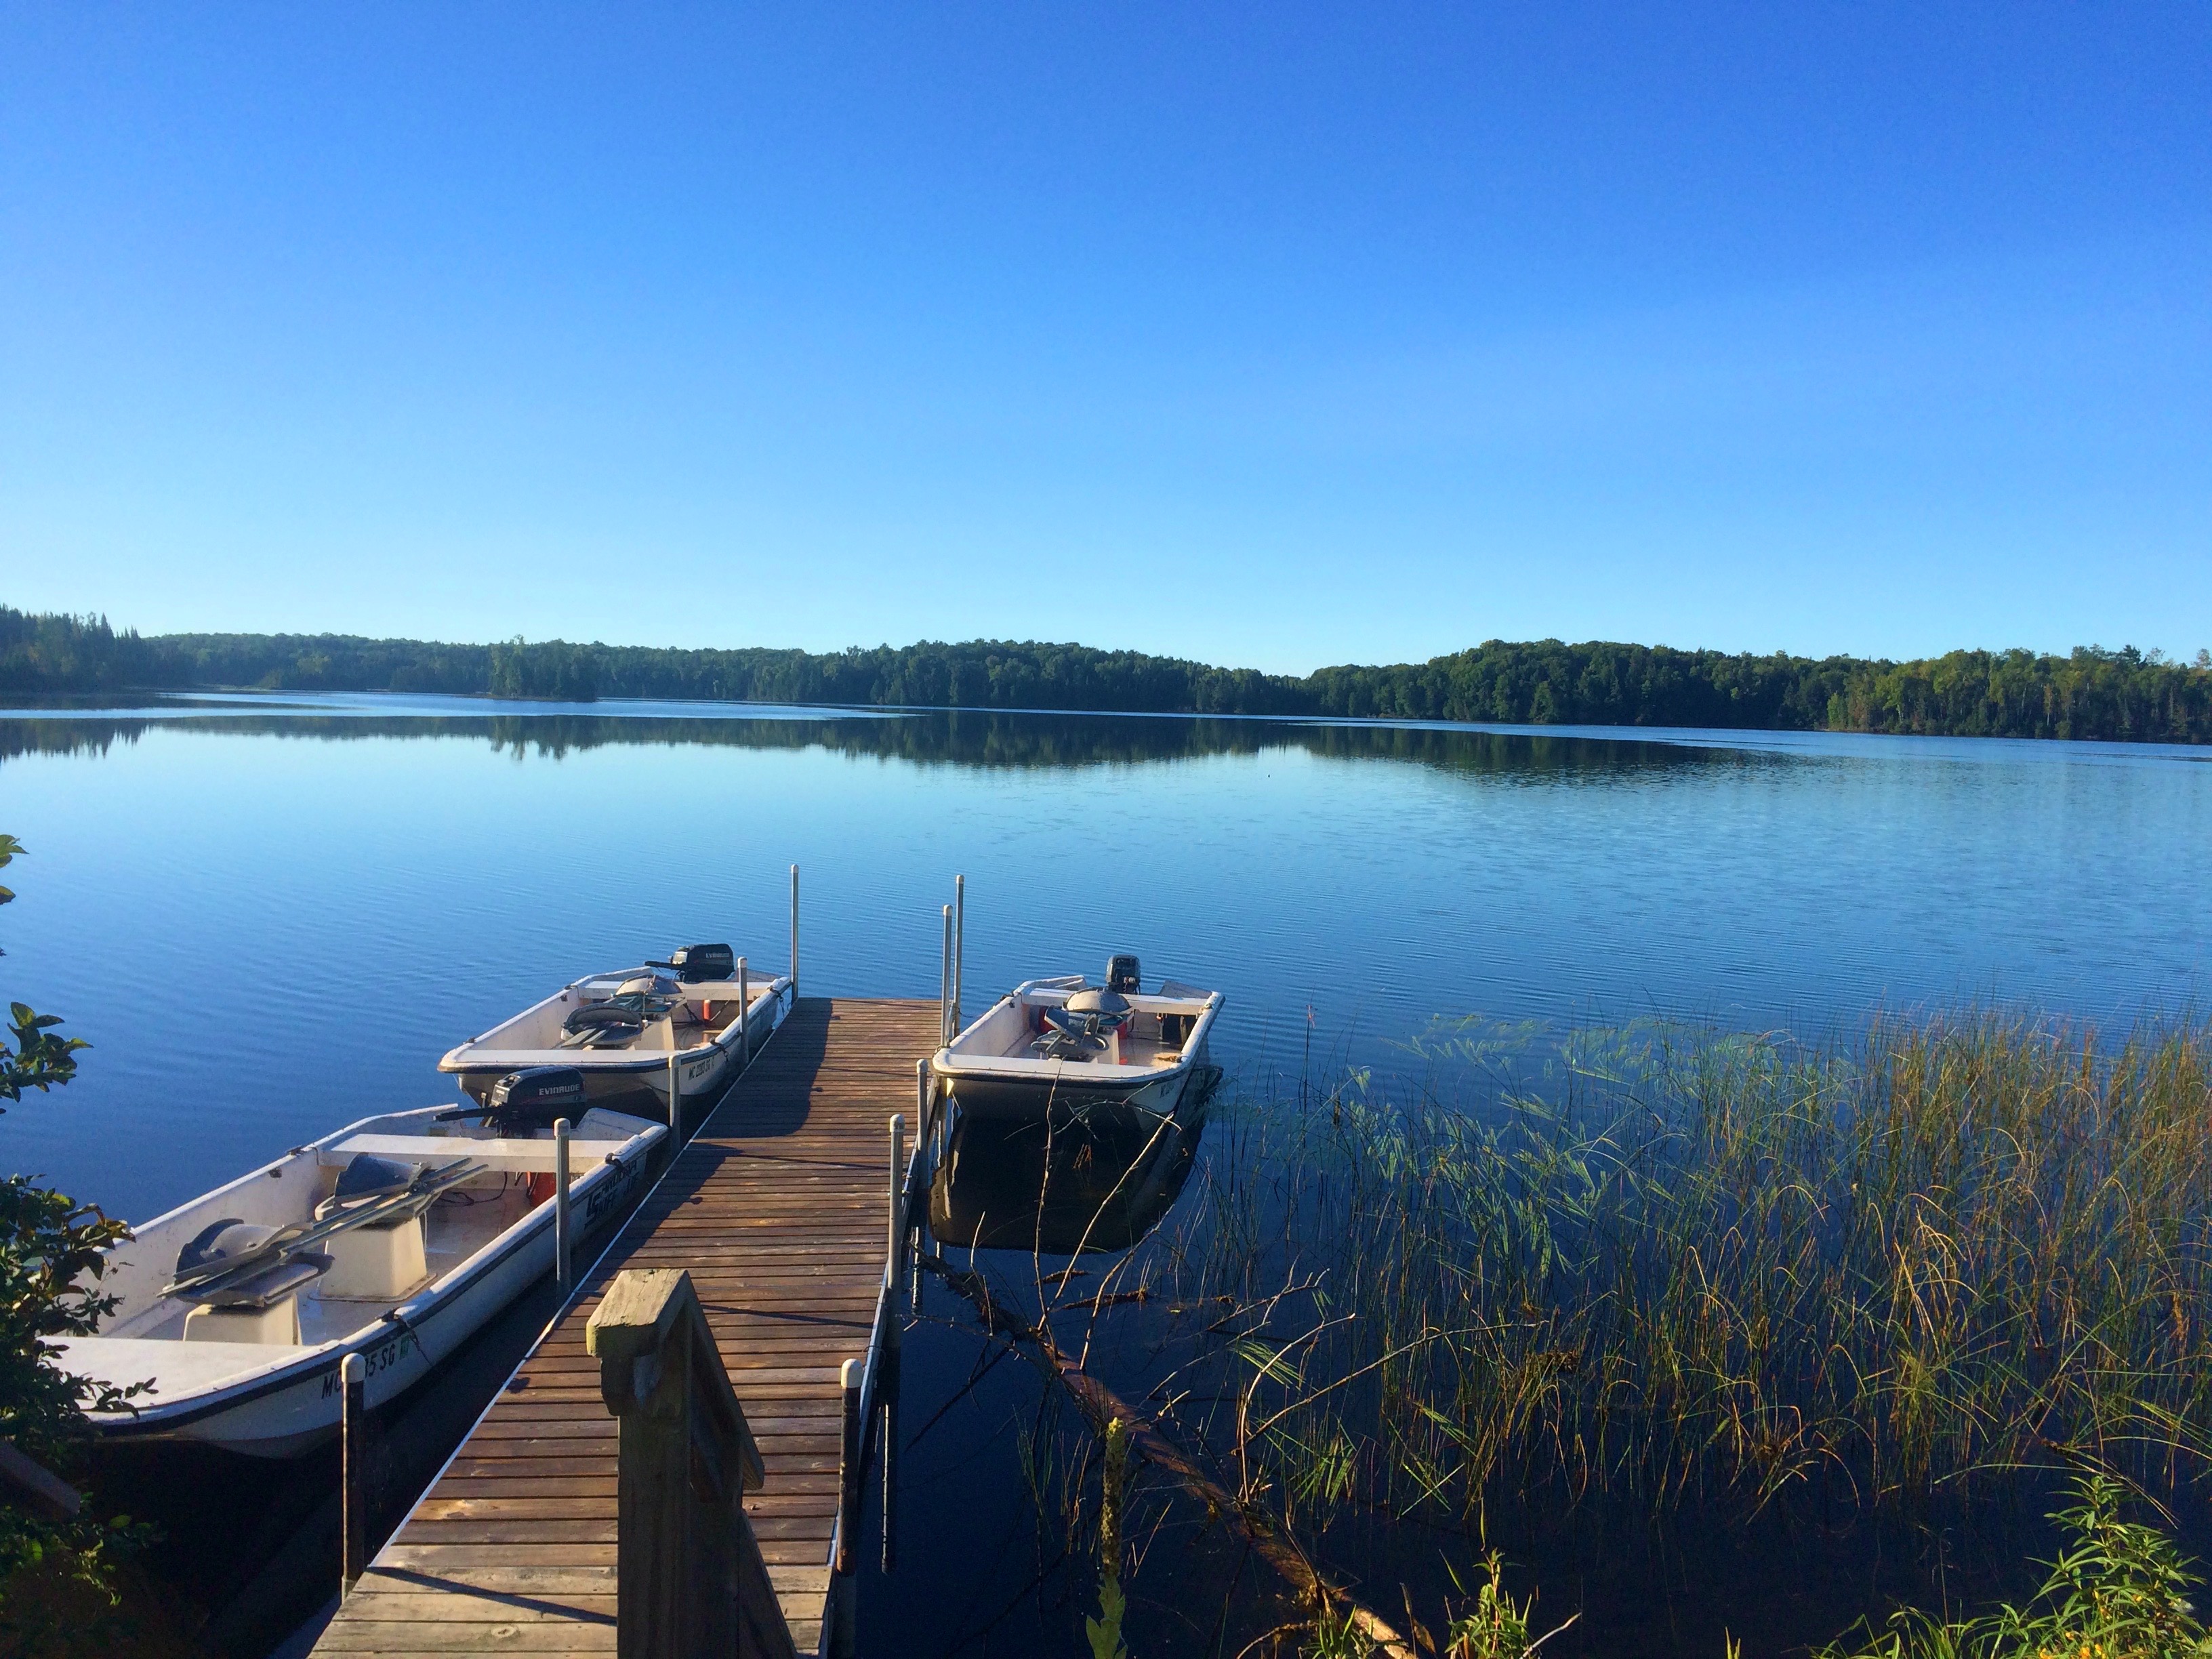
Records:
x=1275, y=334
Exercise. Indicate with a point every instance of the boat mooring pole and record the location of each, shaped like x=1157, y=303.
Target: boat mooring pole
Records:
x=843, y=1601
x=895, y=1260
x=945, y=983
x=959, y=942
x=794, y=933
x=887, y=1378
x=925, y=1140
x=562, y=1243
x=887, y=1388
x=353, y=1453
x=744, y=1016
x=674, y=1084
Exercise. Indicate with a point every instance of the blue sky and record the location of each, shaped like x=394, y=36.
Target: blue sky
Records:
x=1278, y=334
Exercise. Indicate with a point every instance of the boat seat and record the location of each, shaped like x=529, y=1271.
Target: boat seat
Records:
x=275, y=1323
x=376, y=1264
x=379, y=1261
x=260, y=1307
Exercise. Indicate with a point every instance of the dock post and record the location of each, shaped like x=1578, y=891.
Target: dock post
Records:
x=944, y=982
x=959, y=945
x=564, y=1243
x=353, y=1456
x=924, y=1144
x=689, y=1574
x=844, y=1600
x=894, y=1258
x=795, y=934
x=887, y=1386
x=674, y=1086
x=744, y=1015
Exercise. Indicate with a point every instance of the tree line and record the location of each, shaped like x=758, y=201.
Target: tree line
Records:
x=2091, y=692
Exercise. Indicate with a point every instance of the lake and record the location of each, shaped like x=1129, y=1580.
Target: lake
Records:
x=271, y=915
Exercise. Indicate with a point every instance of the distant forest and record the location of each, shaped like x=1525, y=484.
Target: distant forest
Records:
x=2091, y=693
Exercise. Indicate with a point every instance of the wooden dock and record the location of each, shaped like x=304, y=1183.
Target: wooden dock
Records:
x=777, y=1208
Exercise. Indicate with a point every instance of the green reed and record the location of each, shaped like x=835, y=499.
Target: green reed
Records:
x=1673, y=1264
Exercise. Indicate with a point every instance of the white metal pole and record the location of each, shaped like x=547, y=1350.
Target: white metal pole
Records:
x=562, y=1244
x=744, y=1016
x=794, y=933
x=959, y=942
x=944, y=981
x=353, y=1472
x=891, y=1263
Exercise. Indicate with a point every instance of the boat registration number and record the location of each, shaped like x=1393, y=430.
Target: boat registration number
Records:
x=373, y=1361
x=611, y=1192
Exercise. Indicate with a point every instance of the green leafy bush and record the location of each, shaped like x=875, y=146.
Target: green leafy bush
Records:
x=51, y=1263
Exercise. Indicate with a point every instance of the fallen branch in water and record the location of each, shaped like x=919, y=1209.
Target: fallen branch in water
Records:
x=1100, y=1405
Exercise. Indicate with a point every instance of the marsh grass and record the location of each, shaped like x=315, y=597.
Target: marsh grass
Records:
x=1672, y=1267
x=2118, y=1590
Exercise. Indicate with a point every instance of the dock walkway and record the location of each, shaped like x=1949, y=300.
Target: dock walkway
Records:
x=776, y=1208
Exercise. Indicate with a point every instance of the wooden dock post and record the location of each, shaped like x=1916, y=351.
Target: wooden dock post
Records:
x=689, y=1573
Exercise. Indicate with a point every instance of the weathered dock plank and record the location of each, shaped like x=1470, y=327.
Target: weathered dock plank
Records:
x=776, y=1209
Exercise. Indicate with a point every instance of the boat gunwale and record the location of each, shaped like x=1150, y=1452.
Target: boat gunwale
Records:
x=949, y=1062
x=305, y=1362
x=465, y=1057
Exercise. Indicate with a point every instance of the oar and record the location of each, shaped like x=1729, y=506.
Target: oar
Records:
x=292, y=1241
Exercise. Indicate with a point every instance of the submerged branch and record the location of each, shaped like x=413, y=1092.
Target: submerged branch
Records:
x=1100, y=1405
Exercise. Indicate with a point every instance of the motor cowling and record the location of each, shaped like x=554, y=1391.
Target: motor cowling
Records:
x=695, y=962
x=533, y=1097
x=1122, y=975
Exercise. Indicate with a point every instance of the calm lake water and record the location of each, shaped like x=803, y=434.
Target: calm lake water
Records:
x=269, y=918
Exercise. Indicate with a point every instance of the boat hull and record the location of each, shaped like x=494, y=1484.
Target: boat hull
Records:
x=631, y=1081
x=294, y=1404
x=636, y=1088
x=1085, y=1185
x=1064, y=1095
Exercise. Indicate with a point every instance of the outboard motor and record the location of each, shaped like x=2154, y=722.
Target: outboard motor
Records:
x=695, y=962
x=533, y=1098
x=1121, y=974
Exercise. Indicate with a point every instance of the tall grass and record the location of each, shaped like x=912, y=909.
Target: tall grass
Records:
x=1679, y=1265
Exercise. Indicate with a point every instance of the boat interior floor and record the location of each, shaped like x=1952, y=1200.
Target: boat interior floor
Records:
x=692, y=1032
x=461, y=1223
x=1134, y=1051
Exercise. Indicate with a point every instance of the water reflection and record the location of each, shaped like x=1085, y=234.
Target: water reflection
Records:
x=439, y=861
x=979, y=738
x=1073, y=1185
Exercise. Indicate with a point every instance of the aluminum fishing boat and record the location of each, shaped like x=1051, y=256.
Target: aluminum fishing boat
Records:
x=619, y=1029
x=395, y=1238
x=1062, y=1049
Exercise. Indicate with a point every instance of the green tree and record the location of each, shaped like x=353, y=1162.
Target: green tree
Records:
x=51, y=1263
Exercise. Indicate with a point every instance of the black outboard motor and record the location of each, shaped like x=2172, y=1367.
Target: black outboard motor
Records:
x=532, y=1097
x=528, y=1100
x=1121, y=974
x=694, y=963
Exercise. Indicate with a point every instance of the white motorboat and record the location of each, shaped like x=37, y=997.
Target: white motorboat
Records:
x=395, y=1238
x=619, y=1029
x=1063, y=1049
